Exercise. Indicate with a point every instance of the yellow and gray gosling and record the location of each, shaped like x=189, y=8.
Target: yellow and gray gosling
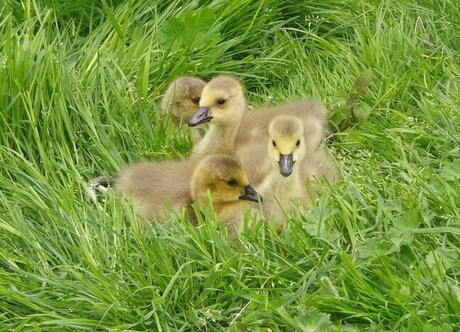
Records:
x=225, y=180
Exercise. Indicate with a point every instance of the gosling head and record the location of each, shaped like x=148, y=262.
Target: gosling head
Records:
x=182, y=97
x=224, y=178
x=222, y=102
x=286, y=144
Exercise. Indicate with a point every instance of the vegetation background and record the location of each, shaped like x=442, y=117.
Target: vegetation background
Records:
x=80, y=83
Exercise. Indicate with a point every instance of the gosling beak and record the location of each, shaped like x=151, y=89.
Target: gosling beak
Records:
x=286, y=163
x=250, y=194
x=199, y=117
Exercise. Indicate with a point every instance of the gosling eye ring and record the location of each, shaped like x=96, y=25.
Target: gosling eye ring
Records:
x=232, y=182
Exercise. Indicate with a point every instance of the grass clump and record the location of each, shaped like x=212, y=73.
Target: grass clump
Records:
x=81, y=84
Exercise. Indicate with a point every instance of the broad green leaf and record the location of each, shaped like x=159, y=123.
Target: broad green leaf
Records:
x=192, y=29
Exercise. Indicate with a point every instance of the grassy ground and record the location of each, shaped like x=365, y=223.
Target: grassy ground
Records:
x=80, y=86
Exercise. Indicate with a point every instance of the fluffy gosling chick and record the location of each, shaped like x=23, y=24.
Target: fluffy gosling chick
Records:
x=225, y=180
x=287, y=151
x=181, y=98
x=222, y=104
x=159, y=188
x=255, y=125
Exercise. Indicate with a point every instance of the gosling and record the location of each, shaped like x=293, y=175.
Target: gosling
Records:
x=182, y=98
x=225, y=180
x=159, y=188
x=286, y=149
x=222, y=104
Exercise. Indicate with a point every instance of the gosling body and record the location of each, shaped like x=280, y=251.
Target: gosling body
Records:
x=157, y=188
x=255, y=123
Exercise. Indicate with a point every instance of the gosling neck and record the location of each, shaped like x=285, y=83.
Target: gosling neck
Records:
x=278, y=185
x=220, y=137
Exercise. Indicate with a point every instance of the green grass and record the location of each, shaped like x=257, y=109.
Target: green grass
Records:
x=80, y=86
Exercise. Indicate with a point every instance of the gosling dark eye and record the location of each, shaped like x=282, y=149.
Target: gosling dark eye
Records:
x=274, y=143
x=196, y=100
x=232, y=182
x=298, y=143
x=221, y=101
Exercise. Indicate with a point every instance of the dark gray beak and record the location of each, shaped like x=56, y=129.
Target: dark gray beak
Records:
x=286, y=163
x=199, y=117
x=250, y=194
